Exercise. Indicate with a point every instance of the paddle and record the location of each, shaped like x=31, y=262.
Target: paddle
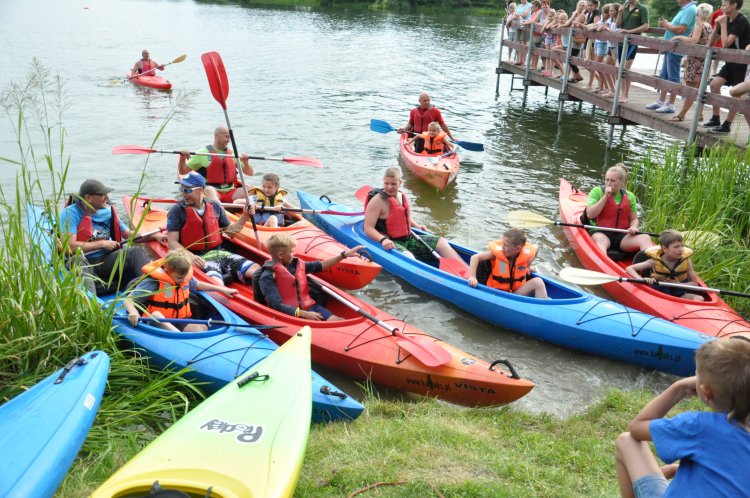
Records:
x=217, y=80
x=587, y=277
x=176, y=61
x=136, y=149
x=136, y=239
x=209, y=322
x=380, y=126
x=428, y=352
x=435, y=160
x=304, y=211
x=447, y=265
x=528, y=219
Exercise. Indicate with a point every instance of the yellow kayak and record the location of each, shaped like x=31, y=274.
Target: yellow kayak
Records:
x=247, y=440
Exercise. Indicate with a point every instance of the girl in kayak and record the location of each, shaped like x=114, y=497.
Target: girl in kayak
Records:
x=271, y=197
x=511, y=260
x=435, y=141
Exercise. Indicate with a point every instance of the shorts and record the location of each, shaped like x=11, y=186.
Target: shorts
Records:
x=320, y=309
x=732, y=73
x=600, y=49
x=414, y=246
x=650, y=486
x=261, y=218
x=670, y=68
x=615, y=238
x=220, y=262
x=524, y=35
x=632, y=50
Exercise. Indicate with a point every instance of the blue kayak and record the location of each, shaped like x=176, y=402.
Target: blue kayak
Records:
x=42, y=429
x=570, y=318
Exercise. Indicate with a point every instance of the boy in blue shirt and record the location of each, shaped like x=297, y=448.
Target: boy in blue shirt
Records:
x=713, y=448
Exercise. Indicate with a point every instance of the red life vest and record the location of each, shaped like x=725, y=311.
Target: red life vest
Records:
x=146, y=67
x=433, y=145
x=86, y=227
x=171, y=300
x=421, y=119
x=615, y=215
x=221, y=171
x=504, y=276
x=200, y=234
x=398, y=224
x=293, y=289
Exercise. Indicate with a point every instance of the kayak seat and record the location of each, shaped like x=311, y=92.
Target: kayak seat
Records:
x=484, y=270
x=640, y=257
x=615, y=255
x=157, y=491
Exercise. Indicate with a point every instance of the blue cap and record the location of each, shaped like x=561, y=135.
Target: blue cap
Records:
x=193, y=179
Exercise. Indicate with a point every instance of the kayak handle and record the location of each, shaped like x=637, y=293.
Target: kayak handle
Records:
x=326, y=198
x=69, y=366
x=253, y=377
x=513, y=373
x=330, y=392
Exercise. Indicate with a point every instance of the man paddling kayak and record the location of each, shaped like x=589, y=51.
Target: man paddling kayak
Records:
x=146, y=65
x=419, y=119
x=220, y=172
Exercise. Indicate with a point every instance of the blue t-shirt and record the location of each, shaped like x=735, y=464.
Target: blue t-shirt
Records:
x=685, y=16
x=524, y=11
x=72, y=216
x=714, y=454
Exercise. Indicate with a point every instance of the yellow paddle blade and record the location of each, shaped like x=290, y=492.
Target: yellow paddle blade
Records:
x=585, y=277
x=700, y=238
x=527, y=219
x=179, y=59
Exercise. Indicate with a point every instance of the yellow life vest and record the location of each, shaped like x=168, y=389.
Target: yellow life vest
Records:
x=276, y=200
x=662, y=271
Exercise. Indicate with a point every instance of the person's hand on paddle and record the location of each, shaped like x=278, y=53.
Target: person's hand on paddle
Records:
x=107, y=245
x=133, y=317
x=185, y=154
x=160, y=237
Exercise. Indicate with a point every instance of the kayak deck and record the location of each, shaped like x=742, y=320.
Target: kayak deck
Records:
x=438, y=175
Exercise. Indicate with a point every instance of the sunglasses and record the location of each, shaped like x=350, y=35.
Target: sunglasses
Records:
x=187, y=190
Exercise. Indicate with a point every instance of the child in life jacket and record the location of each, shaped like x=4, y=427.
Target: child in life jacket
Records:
x=283, y=280
x=165, y=292
x=668, y=262
x=435, y=141
x=270, y=196
x=511, y=260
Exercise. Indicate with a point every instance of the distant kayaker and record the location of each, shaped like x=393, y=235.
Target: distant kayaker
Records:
x=668, y=262
x=196, y=224
x=220, y=172
x=283, y=280
x=165, y=292
x=612, y=206
x=511, y=260
x=146, y=66
x=419, y=119
x=271, y=196
x=388, y=222
x=92, y=226
x=433, y=140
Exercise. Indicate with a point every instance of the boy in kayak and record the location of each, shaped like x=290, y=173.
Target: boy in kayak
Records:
x=713, y=448
x=146, y=66
x=511, y=260
x=668, y=262
x=433, y=140
x=271, y=196
x=165, y=292
x=283, y=283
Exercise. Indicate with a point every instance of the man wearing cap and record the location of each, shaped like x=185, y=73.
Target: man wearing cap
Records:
x=196, y=224
x=92, y=225
x=220, y=172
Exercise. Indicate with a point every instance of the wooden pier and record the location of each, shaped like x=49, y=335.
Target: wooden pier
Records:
x=642, y=92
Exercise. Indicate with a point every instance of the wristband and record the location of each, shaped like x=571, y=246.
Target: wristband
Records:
x=343, y=254
x=384, y=238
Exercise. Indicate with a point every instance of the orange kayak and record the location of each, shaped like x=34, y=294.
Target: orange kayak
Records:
x=712, y=317
x=358, y=347
x=438, y=175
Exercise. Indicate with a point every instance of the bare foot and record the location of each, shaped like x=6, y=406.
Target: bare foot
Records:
x=623, y=99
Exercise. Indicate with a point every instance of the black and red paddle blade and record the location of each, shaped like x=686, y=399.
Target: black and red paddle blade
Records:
x=217, y=77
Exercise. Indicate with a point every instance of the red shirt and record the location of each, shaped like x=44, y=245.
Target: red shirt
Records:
x=420, y=118
x=712, y=22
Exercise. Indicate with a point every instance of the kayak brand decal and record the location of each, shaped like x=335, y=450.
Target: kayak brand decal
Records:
x=659, y=354
x=89, y=401
x=247, y=433
x=447, y=387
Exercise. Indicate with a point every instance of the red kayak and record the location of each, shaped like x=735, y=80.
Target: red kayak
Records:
x=357, y=346
x=150, y=81
x=438, y=175
x=712, y=316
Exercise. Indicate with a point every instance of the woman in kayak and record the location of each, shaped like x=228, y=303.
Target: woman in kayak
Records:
x=146, y=66
x=612, y=206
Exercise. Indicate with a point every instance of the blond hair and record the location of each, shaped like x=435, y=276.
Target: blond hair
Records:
x=392, y=172
x=621, y=172
x=280, y=242
x=178, y=261
x=516, y=237
x=724, y=366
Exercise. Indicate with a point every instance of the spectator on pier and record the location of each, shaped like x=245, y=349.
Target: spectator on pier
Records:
x=600, y=52
x=734, y=30
x=593, y=16
x=683, y=22
x=528, y=25
x=712, y=20
x=523, y=12
x=560, y=43
x=541, y=22
x=742, y=89
x=511, y=25
x=577, y=20
x=632, y=19
x=548, y=40
x=694, y=65
x=611, y=58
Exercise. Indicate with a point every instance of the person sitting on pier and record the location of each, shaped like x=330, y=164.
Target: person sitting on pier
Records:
x=434, y=141
x=511, y=260
x=632, y=19
x=612, y=206
x=734, y=30
x=667, y=262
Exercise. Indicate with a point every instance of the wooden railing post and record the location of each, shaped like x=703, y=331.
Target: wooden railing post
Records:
x=613, y=118
x=499, y=68
x=564, y=88
x=701, y=95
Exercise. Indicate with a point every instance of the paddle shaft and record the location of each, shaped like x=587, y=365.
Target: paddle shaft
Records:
x=176, y=60
x=381, y=126
x=421, y=240
x=209, y=322
x=603, y=229
x=135, y=149
x=696, y=288
x=135, y=239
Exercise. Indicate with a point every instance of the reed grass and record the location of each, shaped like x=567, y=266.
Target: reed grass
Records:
x=709, y=192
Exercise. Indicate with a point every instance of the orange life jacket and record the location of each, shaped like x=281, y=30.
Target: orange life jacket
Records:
x=171, y=300
x=505, y=276
x=398, y=224
x=293, y=289
x=221, y=171
x=200, y=234
x=433, y=145
x=615, y=215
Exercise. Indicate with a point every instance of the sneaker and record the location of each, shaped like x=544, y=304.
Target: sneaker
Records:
x=665, y=109
x=723, y=128
x=711, y=123
x=655, y=106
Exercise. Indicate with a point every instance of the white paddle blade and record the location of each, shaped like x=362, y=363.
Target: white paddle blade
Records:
x=585, y=277
x=527, y=219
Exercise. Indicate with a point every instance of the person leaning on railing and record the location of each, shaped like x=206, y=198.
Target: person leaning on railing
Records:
x=632, y=19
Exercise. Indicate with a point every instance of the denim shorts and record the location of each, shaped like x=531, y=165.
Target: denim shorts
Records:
x=600, y=49
x=670, y=69
x=650, y=486
x=320, y=309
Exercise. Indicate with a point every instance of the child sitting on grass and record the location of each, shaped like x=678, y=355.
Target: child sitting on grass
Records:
x=668, y=262
x=165, y=292
x=270, y=195
x=511, y=266
x=713, y=448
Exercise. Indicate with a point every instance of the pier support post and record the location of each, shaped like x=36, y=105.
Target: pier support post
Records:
x=701, y=95
x=613, y=117
x=499, y=68
x=564, y=87
x=528, y=65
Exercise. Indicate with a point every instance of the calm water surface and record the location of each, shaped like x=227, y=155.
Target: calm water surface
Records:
x=307, y=83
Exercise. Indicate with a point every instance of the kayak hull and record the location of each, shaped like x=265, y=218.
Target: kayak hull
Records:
x=42, y=429
x=571, y=318
x=357, y=347
x=712, y=316
x=438, y=175
x=150, y=81
x=244, y=441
